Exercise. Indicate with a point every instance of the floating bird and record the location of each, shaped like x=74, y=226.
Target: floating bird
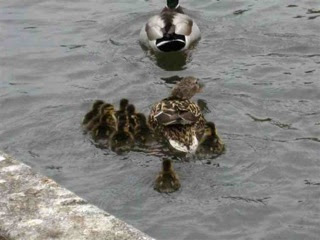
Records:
x=104, y=109
x=143, y=133
x=94, y=111
x=122, y=107
x=210, y=142
x=105, y=123
x=177, y=119
x=170, y=31
x=122, y=140
x=167, y=180
x=132, y=118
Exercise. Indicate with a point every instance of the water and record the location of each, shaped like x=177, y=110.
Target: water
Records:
x=260, y=68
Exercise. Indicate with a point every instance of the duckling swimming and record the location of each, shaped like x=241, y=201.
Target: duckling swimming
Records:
x=122, y=107
x=132, y=117
x=170, y=31
x=107, y=123
x=138, y=125
x=95, y=120
x=122, y=140
x=105, y=118
x=143, y=133
x=94, y=111
x=178, y=119
x=210, y=142
x=167, y=180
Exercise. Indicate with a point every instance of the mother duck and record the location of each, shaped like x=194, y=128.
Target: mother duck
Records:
x=170, y=31
x=179, y=120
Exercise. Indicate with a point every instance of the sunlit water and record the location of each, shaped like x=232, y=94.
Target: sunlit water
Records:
x=261, y=71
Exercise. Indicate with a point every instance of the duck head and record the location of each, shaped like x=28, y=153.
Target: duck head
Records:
x=106, y=108
x=173, y=4
x=131, y=109
x=96, y=105
x=186, y=88
x=142, y=120
x=123, y=104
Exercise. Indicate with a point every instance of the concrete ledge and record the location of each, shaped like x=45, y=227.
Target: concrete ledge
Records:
x=35, y=207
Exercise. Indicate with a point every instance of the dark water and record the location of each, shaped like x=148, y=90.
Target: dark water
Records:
x=260, y=62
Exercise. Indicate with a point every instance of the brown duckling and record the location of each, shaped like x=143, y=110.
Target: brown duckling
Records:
x=122, y=140
x=210, y=142
x=122, y=106
x=132, y=117
x=107, y=123
x=143, y=132
x=105, y=128
x=167, y=180
x=178, y=119
x=93, y=112
x=138, y=125
x=106, y=116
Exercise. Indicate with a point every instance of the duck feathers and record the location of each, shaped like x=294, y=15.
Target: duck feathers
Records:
x=169, y=112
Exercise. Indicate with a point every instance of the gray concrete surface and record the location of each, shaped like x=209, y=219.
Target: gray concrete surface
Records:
x=35, y=207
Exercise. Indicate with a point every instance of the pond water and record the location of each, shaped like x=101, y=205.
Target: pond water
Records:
x=260, y=63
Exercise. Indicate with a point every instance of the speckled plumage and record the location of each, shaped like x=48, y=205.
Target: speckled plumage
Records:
x=177, y=119
x=180, y=129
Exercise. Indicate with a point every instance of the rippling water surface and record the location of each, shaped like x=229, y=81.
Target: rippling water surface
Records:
x=260, y=63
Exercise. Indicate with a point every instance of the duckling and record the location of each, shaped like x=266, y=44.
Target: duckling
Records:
x=132, y=117
x=122, y=106
x=105, y=128
x=122, y=140
x=177, y=119
x=106, y=124
x=143, y=132
x=170, y=31
x=167, y=180
x=94, y=111
x=210, y=142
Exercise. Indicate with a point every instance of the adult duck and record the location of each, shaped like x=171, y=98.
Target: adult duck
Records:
x=179, y=120
x=170, y=31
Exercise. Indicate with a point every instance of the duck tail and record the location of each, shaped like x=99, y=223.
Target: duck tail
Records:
x=171, y=43
x=182, y=147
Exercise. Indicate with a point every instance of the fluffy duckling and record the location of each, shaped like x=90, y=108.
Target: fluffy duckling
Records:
x=170, y=31
x=95, y=121
x=177, y=119
x=210, y=142
x=122, y=107
x=143, y=132
x=122, y=140
x=106, y=124
x=167, y=180
x=138, y=125
x=132, y=117
x=94, y=111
